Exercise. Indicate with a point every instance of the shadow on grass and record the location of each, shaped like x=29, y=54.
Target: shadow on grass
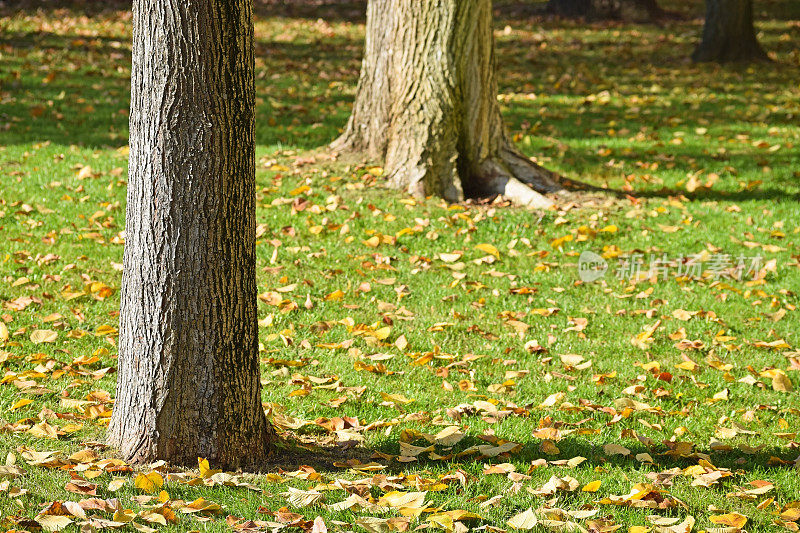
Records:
x=305, y=88
x=738, y=458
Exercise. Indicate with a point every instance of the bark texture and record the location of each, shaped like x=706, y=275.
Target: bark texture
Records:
x=628, y=10
x=188, y=383
x=728, y=33
x=427, y=105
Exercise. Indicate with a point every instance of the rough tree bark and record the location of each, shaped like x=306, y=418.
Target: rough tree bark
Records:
x=188, y=383
x=628, y=10
x=728, y=33
x=427, y=105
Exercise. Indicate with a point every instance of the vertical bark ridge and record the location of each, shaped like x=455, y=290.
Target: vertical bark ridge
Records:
x=366, y=130
x=188, y=382
x=422, y=151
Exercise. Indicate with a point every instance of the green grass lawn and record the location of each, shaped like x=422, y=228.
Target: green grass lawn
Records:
x=390, y=320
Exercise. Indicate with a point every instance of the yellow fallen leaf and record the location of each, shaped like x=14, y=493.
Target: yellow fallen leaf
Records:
x=4, y=335
x=20, y=404
x=105, y=330
x=782, y=383
x=51, y=522
x=397, y=499
x=44, y=430
x=396, y=398
x=729, y=519
x=201, y=505
x=382, y=333
x=335, y=296
x=488, y=249
x=124, y=516
x=205, y=469
x=43, y=335
x=592, y=487
x=682, y=314
x=691, y=366
x=149, y=483
x=524, y=520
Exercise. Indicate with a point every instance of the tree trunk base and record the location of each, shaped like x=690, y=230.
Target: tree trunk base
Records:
x=734, y=52
x=427, y=106
x=516, y=178
x=729, y=35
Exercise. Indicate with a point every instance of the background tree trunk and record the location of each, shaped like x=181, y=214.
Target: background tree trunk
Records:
x=628, y=10
x=427, y=105
x=188, y=383
x=728, y=33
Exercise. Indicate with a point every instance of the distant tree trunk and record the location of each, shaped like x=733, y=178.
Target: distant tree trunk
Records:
x=188, y=383
x=427, y=104
x=728, y=33
x=628, y=10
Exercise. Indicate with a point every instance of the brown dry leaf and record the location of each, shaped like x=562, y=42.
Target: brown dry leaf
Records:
x=782, y=383
x=319, y=526
x=10, y=472
x=81, y=486
x=616, y=449
x=549, y=447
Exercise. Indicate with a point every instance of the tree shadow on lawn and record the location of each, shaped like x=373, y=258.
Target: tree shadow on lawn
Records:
x=88, y=105
x=298, y=108
x=735, y=458
x=740, y=460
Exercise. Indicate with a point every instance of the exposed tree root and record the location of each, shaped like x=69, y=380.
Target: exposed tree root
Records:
x=521, y=194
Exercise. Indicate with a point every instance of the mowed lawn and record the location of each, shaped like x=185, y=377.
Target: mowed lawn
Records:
x=447, y=359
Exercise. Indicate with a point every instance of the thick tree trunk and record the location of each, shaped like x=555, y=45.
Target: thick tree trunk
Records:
x=628, y=10
x=728, y=33
x=188, y=383
x=426, y=104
